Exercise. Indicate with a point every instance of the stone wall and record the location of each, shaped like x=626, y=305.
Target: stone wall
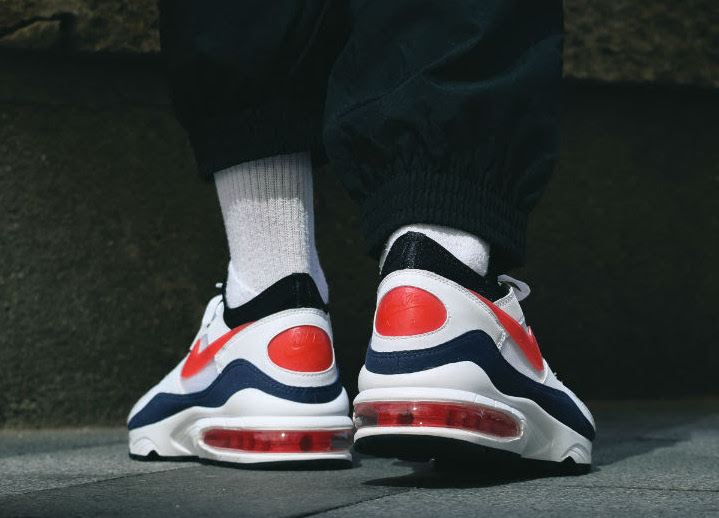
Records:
x=663, y=41
x=111, y=245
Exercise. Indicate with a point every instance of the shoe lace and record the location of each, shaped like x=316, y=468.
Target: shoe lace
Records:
x=211, y=311
x=521, y=289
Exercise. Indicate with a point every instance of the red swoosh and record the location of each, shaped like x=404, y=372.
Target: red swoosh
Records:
x=197, y=360
x=525, y=339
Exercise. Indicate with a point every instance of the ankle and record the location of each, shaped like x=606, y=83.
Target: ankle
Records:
x=471, y=250
x=267, y=207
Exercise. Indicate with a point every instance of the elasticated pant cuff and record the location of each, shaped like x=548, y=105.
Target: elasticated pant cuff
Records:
x=276, y=128
x=448, y=200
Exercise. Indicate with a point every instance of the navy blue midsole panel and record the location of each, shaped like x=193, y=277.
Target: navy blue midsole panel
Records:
x=477, y=347
x=238, y=375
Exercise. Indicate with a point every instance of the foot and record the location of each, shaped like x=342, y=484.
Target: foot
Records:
x=452, y=369
x=259, y=385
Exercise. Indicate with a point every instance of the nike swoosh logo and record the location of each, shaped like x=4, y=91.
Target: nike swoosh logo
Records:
x=524, y=339
x=197, y=359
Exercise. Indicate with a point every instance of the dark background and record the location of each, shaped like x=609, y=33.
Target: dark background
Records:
x=110, y=245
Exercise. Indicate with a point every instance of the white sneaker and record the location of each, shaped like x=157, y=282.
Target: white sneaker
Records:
x=453, y=370
x=259, y=385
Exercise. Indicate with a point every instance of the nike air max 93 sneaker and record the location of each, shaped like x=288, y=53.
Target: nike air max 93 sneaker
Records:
x=452, y=369
x=259, y=385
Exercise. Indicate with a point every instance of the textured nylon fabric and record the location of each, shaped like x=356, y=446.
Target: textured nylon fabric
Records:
x=442, y=112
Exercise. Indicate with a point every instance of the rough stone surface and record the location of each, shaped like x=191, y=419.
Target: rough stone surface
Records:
x=611, y=40
x=654, y=41
x=619, y=253
x=63, y=467
x=80, y=25
x=111, y=245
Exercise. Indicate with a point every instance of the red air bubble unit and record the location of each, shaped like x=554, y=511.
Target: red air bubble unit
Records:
x=463, y=416
x=277, y=441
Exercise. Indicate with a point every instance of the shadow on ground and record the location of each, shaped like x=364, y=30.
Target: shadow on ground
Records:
x=623, y=433
x=434, y=475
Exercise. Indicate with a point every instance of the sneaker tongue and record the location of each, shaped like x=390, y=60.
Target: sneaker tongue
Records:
x=414, y=250
x=521, y=289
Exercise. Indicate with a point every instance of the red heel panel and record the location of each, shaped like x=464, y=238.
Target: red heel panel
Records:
x=408, y=311
x=301, y=349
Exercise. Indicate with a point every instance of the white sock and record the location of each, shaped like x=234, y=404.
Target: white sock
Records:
x=468, y=248
x=269, y=219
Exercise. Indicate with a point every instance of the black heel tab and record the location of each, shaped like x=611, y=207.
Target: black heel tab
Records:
x=297, y=290
x=414, y=250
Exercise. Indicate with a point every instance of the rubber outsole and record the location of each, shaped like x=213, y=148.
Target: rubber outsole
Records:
x=455, y=454
x=309, y=465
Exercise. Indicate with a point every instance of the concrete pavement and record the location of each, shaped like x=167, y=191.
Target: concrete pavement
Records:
x=652, y=458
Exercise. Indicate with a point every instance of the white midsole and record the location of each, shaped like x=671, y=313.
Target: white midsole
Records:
x=543, y=436
x=181, y=434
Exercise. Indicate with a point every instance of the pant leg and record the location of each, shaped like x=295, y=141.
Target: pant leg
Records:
x=446, y=112
x=248, y=78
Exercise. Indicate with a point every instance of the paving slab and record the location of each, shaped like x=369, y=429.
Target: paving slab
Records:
x=529, y=500
x=46, y=460
x=22, y=442
x=652, y=458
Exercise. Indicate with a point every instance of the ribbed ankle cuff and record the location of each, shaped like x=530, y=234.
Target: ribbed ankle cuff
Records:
x=421, y=196
x=279, y=127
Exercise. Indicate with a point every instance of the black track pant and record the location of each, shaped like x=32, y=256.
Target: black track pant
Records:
x=431, y=111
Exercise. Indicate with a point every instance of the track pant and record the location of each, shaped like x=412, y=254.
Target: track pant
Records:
x=431, y=111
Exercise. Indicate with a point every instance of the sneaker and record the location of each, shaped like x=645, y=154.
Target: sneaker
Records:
x=259, y=385
x=453, y=370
